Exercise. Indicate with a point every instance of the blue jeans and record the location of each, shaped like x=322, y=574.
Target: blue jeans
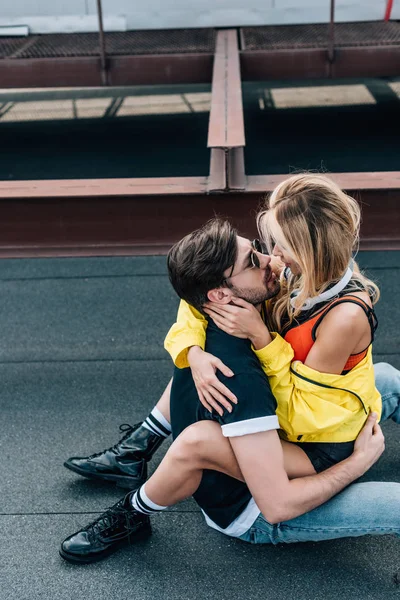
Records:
x=360, y=509
x=387, y=381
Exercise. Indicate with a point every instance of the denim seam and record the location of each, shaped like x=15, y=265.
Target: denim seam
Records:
x=271, y=534
x=389, y=395
x=298, y=529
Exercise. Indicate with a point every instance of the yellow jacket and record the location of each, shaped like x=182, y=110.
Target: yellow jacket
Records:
x=311, y=406
x=189, y=330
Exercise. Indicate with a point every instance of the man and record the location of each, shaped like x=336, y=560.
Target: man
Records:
x=200, y=266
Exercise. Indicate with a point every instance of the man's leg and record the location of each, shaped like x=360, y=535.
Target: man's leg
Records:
x=361, y=509
x=125, y=463
x=200, y=446
x=370, y=508
x=387, y=381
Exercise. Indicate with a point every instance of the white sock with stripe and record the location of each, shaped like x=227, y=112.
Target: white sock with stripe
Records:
x=142, y=503
x=157, y=423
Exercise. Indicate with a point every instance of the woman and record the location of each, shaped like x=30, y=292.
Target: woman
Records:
x=320, y=367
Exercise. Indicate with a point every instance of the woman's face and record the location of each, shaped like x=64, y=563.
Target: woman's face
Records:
x=281, y=247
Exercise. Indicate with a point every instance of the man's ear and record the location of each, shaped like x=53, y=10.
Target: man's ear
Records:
x=222, y=295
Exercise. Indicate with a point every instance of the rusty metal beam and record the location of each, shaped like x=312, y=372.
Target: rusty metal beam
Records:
x=226, y=125
x=162, y=69
x=96, y=226
x=95, y=217
x=115, y=217
x=236, y=178
x=311, y=63
x=368, y=181
x=368, y=61
x=165, y=69
x=226, y=170
x=217, y=180
x=101, y=188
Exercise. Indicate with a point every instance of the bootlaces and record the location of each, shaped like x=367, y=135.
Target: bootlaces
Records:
x=117, y=519
x=124, y=428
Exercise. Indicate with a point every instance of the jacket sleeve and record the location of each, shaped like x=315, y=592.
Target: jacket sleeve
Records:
x=276, y=359
x=189, y=330
x=307, y=399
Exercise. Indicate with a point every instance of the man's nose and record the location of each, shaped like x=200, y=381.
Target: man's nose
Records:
x=264, y=259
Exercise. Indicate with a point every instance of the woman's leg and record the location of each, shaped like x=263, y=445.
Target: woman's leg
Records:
x=202, y=446
x=387, y=381
x=370, y=508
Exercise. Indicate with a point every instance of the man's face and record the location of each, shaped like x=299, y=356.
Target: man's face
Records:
x=253, y=284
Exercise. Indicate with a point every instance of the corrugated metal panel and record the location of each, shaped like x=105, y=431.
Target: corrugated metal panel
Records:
x=117, y=43
x=316, y=36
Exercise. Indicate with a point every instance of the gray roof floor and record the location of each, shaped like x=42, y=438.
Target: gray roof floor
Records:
x=79, y=356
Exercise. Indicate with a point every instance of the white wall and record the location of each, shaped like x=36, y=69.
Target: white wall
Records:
x=44, y=16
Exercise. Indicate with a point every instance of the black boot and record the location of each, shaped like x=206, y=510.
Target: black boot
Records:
x=119, y=526
x=125, y=463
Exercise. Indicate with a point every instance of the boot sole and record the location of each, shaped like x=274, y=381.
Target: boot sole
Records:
x=127, y=483
x=71, y=558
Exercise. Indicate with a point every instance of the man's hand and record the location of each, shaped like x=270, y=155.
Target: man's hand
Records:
x=212, y=393
x=369, y=445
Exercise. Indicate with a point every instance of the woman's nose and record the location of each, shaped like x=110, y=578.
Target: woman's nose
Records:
x=277, y=251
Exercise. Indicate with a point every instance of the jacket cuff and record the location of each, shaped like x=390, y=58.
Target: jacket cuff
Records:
x=179, y=349
x=273, y=351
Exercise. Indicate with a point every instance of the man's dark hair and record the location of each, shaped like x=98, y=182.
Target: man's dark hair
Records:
x=197, y=263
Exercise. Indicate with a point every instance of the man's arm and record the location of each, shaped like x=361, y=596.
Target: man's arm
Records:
x=260, y=458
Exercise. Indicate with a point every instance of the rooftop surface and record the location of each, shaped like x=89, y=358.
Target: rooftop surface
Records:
x=80, y=355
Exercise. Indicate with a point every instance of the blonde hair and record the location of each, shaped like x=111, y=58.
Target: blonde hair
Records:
x=320, y=224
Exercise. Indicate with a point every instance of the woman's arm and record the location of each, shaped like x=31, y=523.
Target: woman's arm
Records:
x=345, y=330
x=189, y=330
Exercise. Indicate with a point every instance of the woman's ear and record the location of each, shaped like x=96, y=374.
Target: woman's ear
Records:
x=220, y=295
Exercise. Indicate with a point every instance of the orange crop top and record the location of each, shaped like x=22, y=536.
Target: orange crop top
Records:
x=302, y=337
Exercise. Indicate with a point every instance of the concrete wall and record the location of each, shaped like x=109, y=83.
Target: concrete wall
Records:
x=45, y=16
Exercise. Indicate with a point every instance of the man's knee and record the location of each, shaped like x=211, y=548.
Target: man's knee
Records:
x=194, y=443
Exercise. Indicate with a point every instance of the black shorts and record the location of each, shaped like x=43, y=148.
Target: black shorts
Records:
x=326, y=454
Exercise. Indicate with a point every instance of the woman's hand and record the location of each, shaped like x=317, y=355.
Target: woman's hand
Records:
x=212, y=393
x=240, y=319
